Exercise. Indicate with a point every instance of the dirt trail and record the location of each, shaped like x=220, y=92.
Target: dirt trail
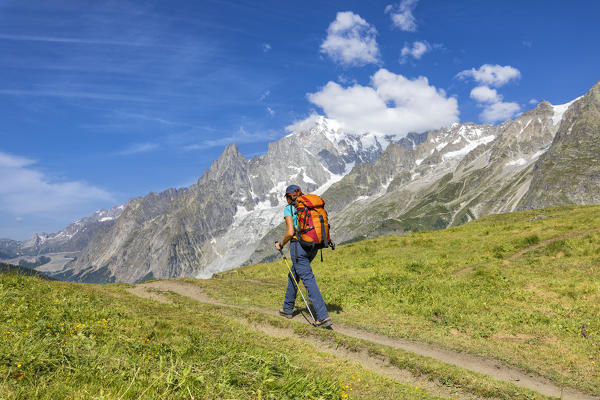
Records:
x=489, y=367
x=533, y=247
x=554, y=239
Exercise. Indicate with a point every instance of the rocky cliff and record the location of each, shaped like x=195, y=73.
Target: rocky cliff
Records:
x=569, y=172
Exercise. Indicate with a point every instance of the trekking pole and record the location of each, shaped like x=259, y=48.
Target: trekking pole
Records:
x=296, y=282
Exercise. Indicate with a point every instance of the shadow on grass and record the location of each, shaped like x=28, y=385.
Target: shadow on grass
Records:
x=331, y=308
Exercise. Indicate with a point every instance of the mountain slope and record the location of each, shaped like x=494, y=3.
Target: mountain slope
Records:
x=373, y=185
x=569, y=173
x=455, y=176
x=73, y=238
x=217, y=223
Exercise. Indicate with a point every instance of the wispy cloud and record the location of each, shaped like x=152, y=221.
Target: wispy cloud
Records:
x=266, y=47
x=52, y=39
x=76, y=94
x=265, y=95
x=241, y=136
x=27, y=190
x=138, y=148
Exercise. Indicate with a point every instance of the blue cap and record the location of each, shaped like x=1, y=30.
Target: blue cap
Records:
x=291, y=189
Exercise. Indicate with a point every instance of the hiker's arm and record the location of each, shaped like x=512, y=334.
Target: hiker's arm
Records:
x=289, y=233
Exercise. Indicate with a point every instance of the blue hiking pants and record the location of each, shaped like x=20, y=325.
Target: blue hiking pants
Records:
x=301, y=268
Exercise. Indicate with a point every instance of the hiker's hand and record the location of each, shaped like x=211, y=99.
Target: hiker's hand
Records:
x=278, y=246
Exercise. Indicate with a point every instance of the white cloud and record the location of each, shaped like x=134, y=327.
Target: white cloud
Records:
x=416, y=51
x=303, y=124
x=266, y=47
x=25, y=190
x=484, y=94
x=270, y=111
x=499, y=111
x=534, y=101
x=491, y=75
x=402, y=16
x=494, y=109
x=351, y=40
x=391, y=104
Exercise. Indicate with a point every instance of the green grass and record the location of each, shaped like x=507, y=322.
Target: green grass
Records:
x=452, y=377
x=458, y=288
x=63, y=340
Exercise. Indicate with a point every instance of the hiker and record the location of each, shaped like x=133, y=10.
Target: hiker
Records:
x=301, y=268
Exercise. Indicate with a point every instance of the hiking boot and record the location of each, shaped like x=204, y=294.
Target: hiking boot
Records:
x=286, y=315
x=326, y=323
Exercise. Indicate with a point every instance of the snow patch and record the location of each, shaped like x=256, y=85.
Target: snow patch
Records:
x=469, y=147
x=559, y=111
x=307, y=179
x=539, y=153
x=520, y=161
x=106, y=219
x=332, y=179
x=525, y=127
x=441, y=146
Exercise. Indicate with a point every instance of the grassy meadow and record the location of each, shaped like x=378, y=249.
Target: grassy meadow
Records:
x=465, y=288
x=79, y=341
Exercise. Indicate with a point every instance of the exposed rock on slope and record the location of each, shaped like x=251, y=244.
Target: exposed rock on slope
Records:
x=373, y=185
x=457, y=175
x=569, y=172
x=217, y=223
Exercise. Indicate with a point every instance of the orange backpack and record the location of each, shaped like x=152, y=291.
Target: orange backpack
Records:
x=313, y=224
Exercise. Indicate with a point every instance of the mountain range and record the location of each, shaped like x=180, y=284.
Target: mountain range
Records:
x=372, y=184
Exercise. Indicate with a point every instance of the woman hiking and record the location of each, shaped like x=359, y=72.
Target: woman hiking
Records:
x=301, y=268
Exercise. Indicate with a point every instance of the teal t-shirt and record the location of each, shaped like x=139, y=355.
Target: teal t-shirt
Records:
x=290, y=211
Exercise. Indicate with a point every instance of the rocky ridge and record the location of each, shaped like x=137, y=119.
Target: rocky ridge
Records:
x=460, y=173
x=489, y=173
x=74, y=237
x=217, y=222
x=569, y=172
x=373, y=185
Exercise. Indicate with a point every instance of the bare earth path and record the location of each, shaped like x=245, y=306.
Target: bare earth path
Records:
x=482, y=365
x=554, y=239
x=536, y=246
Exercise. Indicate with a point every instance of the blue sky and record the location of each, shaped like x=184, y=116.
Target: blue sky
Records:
x=102, y=101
